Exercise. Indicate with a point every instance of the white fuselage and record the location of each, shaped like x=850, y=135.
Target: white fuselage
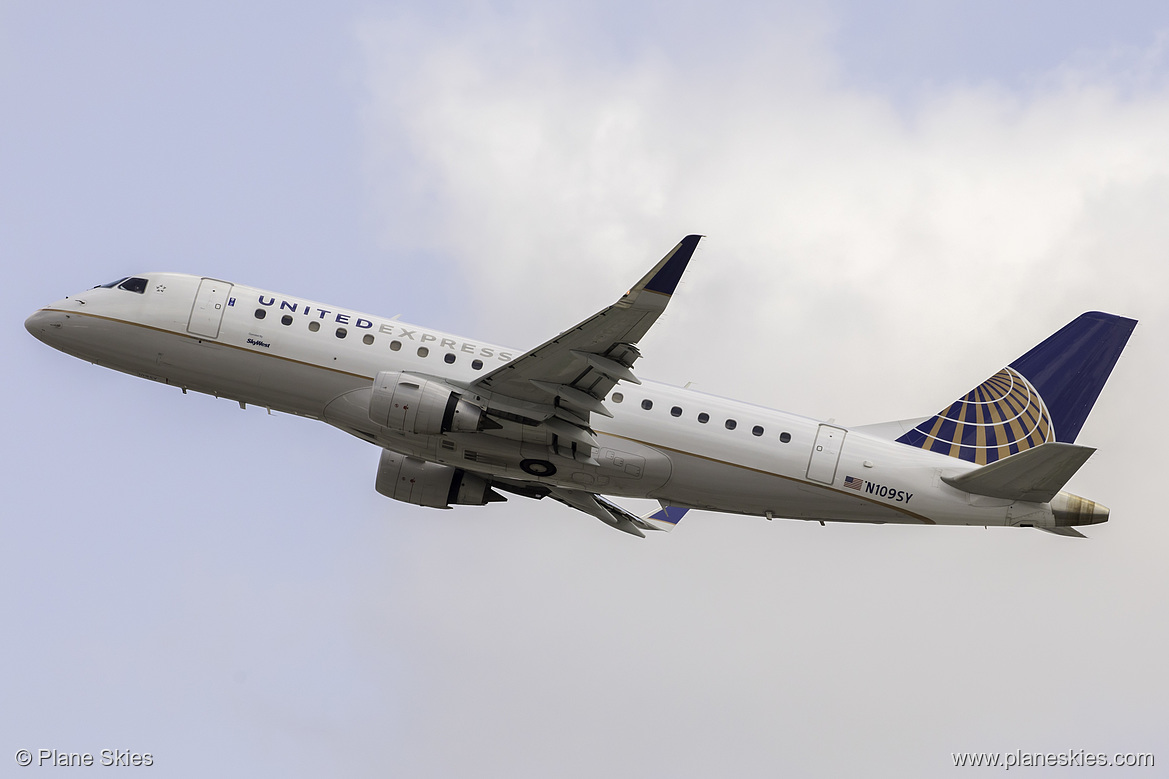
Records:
x=678, y=446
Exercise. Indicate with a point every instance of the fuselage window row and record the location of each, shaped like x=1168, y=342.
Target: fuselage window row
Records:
x=617, y=397
x=368, y=340
x=703, y=417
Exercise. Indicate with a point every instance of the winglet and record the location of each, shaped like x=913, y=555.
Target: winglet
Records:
x=666, y=274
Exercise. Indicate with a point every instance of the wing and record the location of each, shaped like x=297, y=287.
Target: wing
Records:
x=613, y=515
x=574, y=372
x=553, y=390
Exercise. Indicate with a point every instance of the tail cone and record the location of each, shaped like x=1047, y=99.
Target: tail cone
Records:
x=1073, y=510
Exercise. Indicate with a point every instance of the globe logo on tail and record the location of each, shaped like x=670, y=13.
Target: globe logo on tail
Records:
x=1002, y=416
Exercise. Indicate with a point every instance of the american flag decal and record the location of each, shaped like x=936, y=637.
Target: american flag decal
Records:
x=853, y=484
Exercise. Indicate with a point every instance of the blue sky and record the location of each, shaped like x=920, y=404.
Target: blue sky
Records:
x=899, y=200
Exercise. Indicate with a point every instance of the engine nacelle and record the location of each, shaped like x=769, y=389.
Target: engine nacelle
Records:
x=410, y=404
x=430, y=484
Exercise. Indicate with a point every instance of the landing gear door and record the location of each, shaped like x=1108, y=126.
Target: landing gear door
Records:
x=825, y=454
x=207, y=313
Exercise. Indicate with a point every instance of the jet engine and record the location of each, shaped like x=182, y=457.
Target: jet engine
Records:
x=422, y=483
x=410, y=404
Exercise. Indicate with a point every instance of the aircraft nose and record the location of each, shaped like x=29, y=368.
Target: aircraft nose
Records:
x=38, y=324
x=48, y=326
x=50, y=323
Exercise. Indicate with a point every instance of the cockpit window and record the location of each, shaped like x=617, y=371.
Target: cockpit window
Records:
x=112, y=284
x=134, y=284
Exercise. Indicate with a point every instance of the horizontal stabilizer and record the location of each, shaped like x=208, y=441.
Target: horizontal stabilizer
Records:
x=1035, y=474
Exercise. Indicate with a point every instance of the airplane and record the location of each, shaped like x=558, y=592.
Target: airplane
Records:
x=463, y=422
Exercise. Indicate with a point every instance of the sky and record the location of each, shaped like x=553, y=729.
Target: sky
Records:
x=898, y=199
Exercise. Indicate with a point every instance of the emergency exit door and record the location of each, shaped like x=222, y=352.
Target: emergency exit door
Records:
x=825, y=454
x=207, y=313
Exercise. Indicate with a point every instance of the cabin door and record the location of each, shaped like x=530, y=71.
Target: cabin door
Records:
x=825, y=454
x=207, y=313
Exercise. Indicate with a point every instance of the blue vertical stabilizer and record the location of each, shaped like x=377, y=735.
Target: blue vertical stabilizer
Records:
x=1043, y=396
x=1069, y=369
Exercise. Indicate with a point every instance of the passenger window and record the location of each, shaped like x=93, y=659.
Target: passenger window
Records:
x=731, y=424
x=261, y=313
x=618, y=397
x=704, y=417
x=286, y=320
x=477, y=364
x=134, y=285
x=423, y=351
x=757, y=430
x=395, y=346
x=314, y=326
x=785, y=438
x=448, y=358
x=367, y=339
x=342, y=332
x=647, y=404
x=676, y=411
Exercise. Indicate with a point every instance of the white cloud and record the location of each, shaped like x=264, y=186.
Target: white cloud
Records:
x=831, y=215
x=865, y=260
